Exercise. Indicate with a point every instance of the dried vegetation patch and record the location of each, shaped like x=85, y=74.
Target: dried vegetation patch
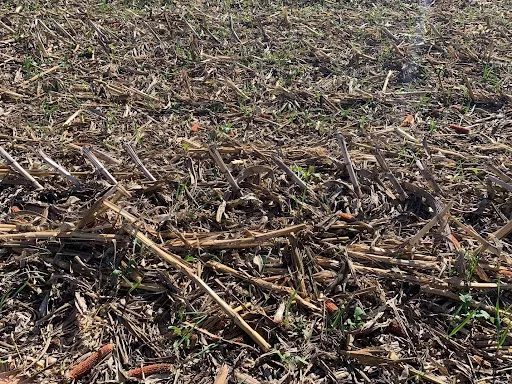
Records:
x=255, y=191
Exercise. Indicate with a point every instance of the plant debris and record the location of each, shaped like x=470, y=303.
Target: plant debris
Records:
x=254, y=191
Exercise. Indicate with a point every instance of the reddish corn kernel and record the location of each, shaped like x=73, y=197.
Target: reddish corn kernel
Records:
x=330, y=306
x=346, y=217
x=460, y=129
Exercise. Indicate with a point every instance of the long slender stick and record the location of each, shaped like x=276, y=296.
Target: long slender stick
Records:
x=471, y=232
x=231, y=26
x=244, y=242
x=185, y=268
x=138, y=162
x=353, y=178
x=71, y=235
x=41, y=74
x=299, y=264
x=429, y=177
x=392, y=178
x=105, y=157
x=386, y=81
x=222, y=375
x=437, y=218
x=222, y=236
x=59, y=168
x=179, y=264
x=98, y=165
x=500, y=182
x=216, y=266
x=470, y=88
x=393, y=260
x=503, y=176
x=499, y=234
x=214, y=153
x=43, y=172
x=98, y=208
x=302, y=185
x=14, y=164
x=191, y=28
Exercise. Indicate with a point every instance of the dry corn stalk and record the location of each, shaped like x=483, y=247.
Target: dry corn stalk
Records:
x=185, y=268
x=222, y=375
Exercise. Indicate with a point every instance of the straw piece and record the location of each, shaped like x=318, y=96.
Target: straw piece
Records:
x=14, y=164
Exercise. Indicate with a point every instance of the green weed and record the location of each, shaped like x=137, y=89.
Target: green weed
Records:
x=49, y=109
x=289, y=304
x=472, y=260
x=29, y=67
x=423, y=102
x=490, y=76
x=432, y=126
x=184, y=334
x=464, y=310
x=6, y=296
x=288, y=359
x=501, y=333
x=226, y=128
x=304, y=174
x=356, y=320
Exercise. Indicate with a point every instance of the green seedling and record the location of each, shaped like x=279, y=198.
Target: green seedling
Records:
x=7, y=295
x=357, y=319
x=469, y=314
x=432, y=126
x=352, y=322
x=472, y=263
x=28, y=66
x=289, y=303
x=304, y=174
x=501, y=333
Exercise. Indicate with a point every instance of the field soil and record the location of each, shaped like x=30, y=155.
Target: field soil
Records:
x=248, y=191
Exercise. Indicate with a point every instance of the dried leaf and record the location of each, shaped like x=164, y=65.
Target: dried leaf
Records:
x=408, y=121
x=278, y=316
x=220, y=211
x=330, y=306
